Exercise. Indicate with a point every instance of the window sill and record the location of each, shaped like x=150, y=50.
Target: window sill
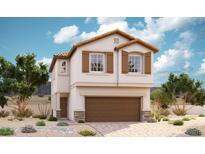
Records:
x=137, y=74
x=97, y=74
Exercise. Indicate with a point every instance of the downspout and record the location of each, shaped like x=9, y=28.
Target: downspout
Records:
x=117, y=67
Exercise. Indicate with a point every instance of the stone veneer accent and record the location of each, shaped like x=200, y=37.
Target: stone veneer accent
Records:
x=79, y=115
x=58, y=113
x=146, y=115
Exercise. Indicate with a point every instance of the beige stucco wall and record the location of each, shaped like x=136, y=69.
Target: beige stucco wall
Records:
x=135, y=78
x=106, y=44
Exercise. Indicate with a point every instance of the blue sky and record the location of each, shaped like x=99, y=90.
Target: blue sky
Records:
x=181, y=40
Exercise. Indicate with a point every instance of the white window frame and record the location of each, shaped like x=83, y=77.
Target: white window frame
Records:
x=60, y=65
x=103, y=63
x=141, y=63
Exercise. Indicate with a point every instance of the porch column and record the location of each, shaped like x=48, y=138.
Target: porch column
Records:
x=146, y=111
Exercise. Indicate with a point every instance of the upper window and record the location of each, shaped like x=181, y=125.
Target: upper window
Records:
x=97, y=62
x=63, y=67
x=135, y=63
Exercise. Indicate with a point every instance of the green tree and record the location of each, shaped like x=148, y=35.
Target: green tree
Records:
x=183, y=90
x=22, y=79
x=160, y=98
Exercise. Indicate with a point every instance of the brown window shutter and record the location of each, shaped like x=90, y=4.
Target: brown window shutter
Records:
x=85, y=61
x=148, y=63
x=109, y=62
x=124, y=62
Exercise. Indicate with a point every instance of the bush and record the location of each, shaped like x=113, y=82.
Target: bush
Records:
x=201, y=115
x=165, y=119
x=62, y=124
x=81, y=121
x=52, y=118
x=6, y=131
x=178, y=122
x=164, y=112
x=28, y=129
x=4, y=114
x=10, y=119
x=40, y=116
x=40, y=123
x=23, y=113
x=19, y=118
x=179, y=111
x=87, y=133
x=186, y=119
x=193, y=132
x=151, y=120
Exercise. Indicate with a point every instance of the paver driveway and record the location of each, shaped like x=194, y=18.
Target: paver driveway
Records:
x=144, y=129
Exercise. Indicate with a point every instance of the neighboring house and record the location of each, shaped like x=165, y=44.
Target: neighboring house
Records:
x=105, y=78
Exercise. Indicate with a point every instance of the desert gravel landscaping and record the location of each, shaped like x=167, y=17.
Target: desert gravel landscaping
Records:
x=107, y=129
x=144, y=129
x=50, y=130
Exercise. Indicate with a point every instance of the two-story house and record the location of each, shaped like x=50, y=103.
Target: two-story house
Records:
x=105, y=78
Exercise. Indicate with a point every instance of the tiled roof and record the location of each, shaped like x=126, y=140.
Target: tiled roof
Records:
x=62, y=54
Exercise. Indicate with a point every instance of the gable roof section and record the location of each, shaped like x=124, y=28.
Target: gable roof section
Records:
x=132, y=39
x=136, y=40
x=61, y=55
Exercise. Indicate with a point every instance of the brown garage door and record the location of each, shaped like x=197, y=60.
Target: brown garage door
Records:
x=108, y=109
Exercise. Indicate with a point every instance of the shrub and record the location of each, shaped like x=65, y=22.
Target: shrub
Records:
x=179, y=111
x=151, y=120
x=178, y=122
x=42, y=117
x=10, y=119
x=19, y=118
x=28, y=129
x=164, y=112
x=87, y=133
x=4, y=113
x=6, y=131
x=165, y=119
x=52, y=118
x=186, y=119
x=62, y=124
x=36, y=116
x=201, y=115
x=23, y=113
x=40, y=123
x=81, y=121
x=193, y=132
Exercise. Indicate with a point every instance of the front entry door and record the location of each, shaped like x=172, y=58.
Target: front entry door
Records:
x=63, y=107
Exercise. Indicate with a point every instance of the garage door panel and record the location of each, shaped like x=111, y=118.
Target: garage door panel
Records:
x=112, y=109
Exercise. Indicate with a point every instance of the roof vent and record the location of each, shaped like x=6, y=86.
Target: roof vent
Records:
x=116, y=40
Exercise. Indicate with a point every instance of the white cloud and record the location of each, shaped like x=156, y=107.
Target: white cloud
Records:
x=66, y=34
x=154, y=28
x=187, y=65
x=87, y=20
x=170, y=58
x=201, y=70
x=109, y=20
x=186, y=39
x=139, y=24
x=45, y=60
